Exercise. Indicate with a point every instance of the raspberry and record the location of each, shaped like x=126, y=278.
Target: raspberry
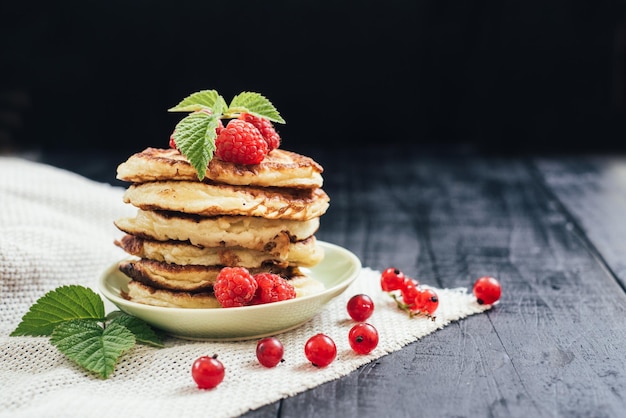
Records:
x=240, y=143
x=234, y=286
x=265, y=127
x=272, y=288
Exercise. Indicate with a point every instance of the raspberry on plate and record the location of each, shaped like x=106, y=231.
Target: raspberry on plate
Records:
x=240, y=142
x=272, y=288
x=266, y=128
x=234, y=286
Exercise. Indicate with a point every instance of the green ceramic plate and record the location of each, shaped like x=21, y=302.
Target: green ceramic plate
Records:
x=337, y=271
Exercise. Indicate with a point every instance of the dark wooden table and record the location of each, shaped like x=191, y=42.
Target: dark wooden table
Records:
x=551, y=228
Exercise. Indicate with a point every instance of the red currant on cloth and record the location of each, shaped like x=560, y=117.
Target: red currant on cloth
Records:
x=409, y=291
x=426, y=301
x=266, y=128
x=360, y=307
x=320, y=350
x=487, y=290
x=207, y=372
x=269, y=351
x=234, y=286
x=391, y=279
x=363, y=338
x=240, y=142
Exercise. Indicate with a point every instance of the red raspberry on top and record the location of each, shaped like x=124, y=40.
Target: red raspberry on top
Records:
x=234, y=286
x=272, y=288
x=240, y=143
x=266, y=128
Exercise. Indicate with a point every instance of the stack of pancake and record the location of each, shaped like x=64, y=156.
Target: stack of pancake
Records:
x=263, y=217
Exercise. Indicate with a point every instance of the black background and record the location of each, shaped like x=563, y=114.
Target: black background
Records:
x=503, y=75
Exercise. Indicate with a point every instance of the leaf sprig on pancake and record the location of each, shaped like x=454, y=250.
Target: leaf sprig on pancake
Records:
x=195, y=134
x=74, y=318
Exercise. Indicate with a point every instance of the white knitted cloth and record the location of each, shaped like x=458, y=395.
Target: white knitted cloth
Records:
x=56, y=228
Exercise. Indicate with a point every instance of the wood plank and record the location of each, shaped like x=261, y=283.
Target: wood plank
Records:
x=553, y=346
x=592, y=190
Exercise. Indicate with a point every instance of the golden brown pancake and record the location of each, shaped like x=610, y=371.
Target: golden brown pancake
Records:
x=211, y=199
x=279, y=168
x=304, y=253
x=189, y=278
x=140, y=293
x=270, y=235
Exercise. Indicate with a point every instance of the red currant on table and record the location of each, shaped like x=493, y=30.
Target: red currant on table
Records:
x=426, y=301
x=269, y=351
x=391, y=279
x=320, y=350
x=207, y=372
x=363, y=338
x=487, y=290
x=360, y=307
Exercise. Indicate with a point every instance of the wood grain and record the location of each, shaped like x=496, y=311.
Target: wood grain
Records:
x=553, y=346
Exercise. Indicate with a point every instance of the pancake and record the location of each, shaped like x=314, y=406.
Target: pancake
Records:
x=189, y=278
x=305, y=253
x=279, y=168
x=270, y=235
x=140, y=293
x=210, y=199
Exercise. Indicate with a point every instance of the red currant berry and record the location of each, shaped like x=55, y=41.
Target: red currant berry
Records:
x=207, y=372
x=320, y=350
x=409, y=291
x=426, y=301
x=363, y=338
x=487, y=290
x=360, y=307
x=269, y=351
x=391, y=279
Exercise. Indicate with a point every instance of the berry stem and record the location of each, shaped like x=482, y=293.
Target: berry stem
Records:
x=403, y=306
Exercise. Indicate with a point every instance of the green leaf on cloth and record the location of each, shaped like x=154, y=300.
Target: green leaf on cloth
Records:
x=63, y=304
x=91, y=346
x=143, y=332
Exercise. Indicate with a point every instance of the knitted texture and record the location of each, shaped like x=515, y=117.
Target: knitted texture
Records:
x=56, y=228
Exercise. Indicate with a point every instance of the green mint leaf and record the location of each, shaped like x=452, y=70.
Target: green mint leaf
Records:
x=255, y=104
x=200, y=100
x=92, y=347
x=195, y=139
x=63, y=304
x=143, y=332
